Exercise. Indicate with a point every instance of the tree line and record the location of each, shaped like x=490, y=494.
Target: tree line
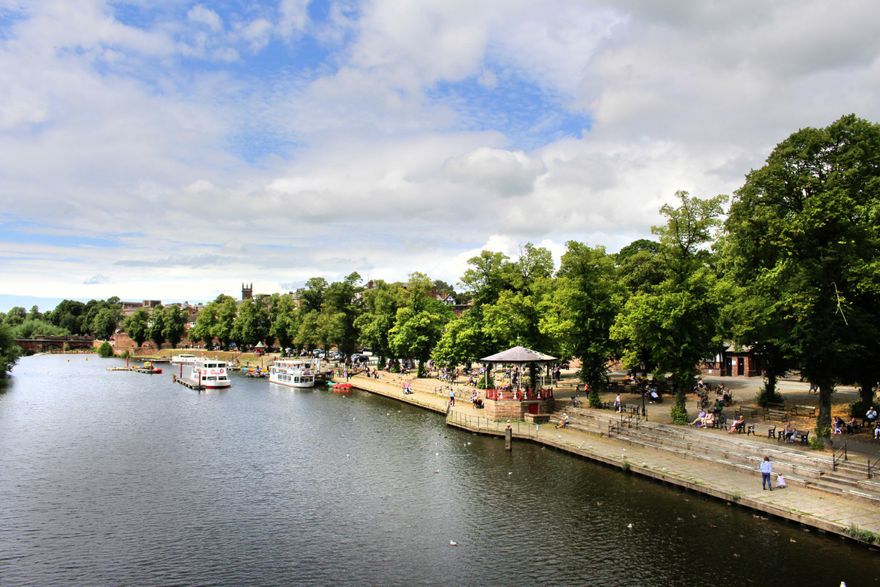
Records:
x=788, y=266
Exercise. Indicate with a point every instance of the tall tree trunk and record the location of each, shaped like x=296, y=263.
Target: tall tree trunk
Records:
x=823, y=421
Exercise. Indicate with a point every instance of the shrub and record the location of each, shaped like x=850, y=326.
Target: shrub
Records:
x=481, y=383
x=764, y=397
x=593, y=398
x=679, y=415
x=858, y=408
x=105, y=350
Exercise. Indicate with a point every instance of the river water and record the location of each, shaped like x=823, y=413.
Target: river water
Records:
x=110, y=478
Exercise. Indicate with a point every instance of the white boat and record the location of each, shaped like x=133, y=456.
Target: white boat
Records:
x=210, y=373
x=183, y=359
x=294, y=372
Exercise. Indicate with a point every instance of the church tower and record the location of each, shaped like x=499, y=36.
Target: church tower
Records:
x=247, y=291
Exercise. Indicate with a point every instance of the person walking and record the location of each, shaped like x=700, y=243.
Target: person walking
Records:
x=766, y=470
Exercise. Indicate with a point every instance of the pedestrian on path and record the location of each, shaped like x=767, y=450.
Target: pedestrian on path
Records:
x=452, y=397
x=766, y=470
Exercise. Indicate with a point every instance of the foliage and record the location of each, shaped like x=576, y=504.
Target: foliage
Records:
x=138, y=326
x=462, y=342
x=156, y=328
x=105, y=350
x=419, y=325
x=767, y=395
x=679, y=414
x=283, y=319
x=593, y=398
x=32, y=327
x=9, y=351
x=103, y=325
x=251, y=323
x=175, y=320
x=581, y=310
x=803, y=232
x=674, y=324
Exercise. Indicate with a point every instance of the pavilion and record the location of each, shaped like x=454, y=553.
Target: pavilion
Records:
x=513, y=401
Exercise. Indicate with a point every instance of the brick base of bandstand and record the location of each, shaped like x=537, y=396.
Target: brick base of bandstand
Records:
x=515, y=409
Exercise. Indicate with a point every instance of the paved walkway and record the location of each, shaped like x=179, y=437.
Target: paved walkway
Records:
x=832, y=513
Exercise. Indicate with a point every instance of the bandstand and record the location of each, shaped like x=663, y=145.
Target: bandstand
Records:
x=513, y=401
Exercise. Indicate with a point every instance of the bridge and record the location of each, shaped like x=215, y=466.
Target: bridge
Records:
x=45, y=344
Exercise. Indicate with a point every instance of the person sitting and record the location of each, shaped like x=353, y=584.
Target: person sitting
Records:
x=726, y=397
x=738, y=424
x=709, y=420
x=478, y=404
x=877, y=431
x=780, y=482
x=718, y=407
x=655, y=397
x=838, y=425
x=700, y=420
x=871, y=415
x=563, y=422
x=851, y=426
x=788, y=432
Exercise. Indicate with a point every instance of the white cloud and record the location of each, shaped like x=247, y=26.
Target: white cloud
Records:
x=108, y=127
x=205, y=16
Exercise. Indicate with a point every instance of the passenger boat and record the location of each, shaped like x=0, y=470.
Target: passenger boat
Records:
x=209, y=373
x=183, y=359
x=294, y=372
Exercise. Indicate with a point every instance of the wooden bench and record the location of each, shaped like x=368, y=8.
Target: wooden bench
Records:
x=808, y=411
x=803, y=436
x=537, y=418
x=775, y=414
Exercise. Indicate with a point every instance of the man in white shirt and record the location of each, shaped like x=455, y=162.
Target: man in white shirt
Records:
x=766, y=470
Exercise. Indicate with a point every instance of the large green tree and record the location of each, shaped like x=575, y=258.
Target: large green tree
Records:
x=251, y=324
x=138, y=326
x=805, y=228
x=586, y=298
x=175, y=324
x=675, y=323
x=283, y=319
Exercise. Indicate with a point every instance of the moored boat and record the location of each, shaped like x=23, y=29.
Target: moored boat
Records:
x=183, y=359
x=294, y=372
x=210, y=373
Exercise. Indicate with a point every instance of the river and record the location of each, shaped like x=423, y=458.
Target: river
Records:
x=111, y=478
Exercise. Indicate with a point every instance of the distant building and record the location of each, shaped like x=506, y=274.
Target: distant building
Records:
x=247, y=291
x=129, y=308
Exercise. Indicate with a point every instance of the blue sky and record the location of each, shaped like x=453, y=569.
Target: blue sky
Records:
x=171, y=150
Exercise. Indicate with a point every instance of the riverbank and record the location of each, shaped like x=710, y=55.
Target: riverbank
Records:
x=854, y=519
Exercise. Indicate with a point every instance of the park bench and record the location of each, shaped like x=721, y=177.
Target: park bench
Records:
x=775, y=413
x=803, y=436
x=808, y=411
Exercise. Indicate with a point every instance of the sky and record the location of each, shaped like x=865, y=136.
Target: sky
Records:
x=174, y=149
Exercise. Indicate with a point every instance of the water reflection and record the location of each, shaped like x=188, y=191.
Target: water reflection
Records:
x=129, y=478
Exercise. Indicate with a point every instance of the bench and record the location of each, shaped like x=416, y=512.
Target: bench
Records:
x=746, y=429
x=537, y=418
x=808, y=411
x=775, y=414
x=803, y=436
x=771, y=433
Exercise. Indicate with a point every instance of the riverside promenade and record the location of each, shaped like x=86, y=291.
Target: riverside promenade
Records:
x=709, y=462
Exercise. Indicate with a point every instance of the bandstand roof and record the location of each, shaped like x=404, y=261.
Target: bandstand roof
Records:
x=518, y=354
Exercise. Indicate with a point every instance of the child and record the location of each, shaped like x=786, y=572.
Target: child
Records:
x=780, y=482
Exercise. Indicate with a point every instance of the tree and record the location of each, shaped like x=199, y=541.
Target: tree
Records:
x=283, y=319
x=251, y=323
x=9, y=351
x=68, y=315
x=585, y=301
x=175, y=324
x=156, y=330
x=419, y=325
x=312, y=294
x=15, y=316
x=487, y=277
x=223, y=326
x=138, y=326
x=380, y=305
x=104, y=323
x=341, y=303
x=675, y=323
x=31, y=328
x=805, y=228
x=462, y=342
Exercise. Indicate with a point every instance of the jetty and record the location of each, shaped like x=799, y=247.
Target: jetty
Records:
x=824, y=492
x=187, y=383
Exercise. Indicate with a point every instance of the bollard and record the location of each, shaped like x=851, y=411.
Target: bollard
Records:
x=508, y=438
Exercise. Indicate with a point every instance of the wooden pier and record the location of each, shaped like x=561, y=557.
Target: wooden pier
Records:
x=187, y=383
